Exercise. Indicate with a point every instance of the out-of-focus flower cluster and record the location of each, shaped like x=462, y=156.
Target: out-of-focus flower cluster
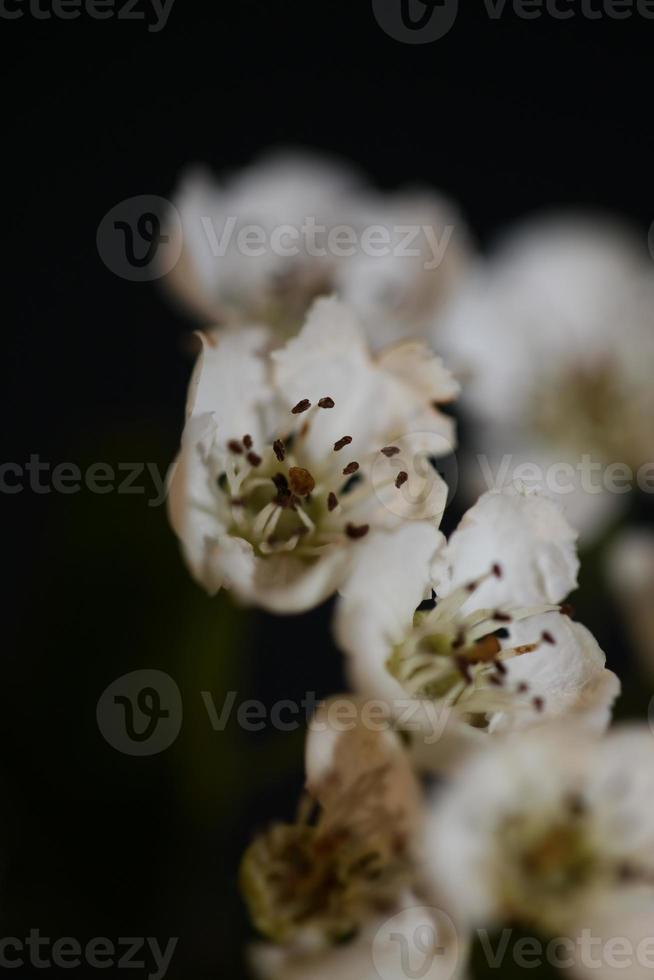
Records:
x=313, y=463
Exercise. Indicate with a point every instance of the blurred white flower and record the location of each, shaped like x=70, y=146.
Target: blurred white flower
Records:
x=555, y=339
x=493, y=651
x=272, y=492
x=630, y=566
x=330, y=888
x=263, y=245
x=551, y=829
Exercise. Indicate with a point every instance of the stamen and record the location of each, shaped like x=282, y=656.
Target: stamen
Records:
x=345, y=441
x=355, y=532
x=247, y=442
x=326, y=402
x=502, y=617
x=548, y=638
x=497, y=571
x=253, y=459
x=332, y=502
x=235, y=446
x=280, y=450
x=401, y=479
x=301, y=481
x=351, y=468
x=301, y=406
x=390, y=451
x=539, y=704
x=522, y=687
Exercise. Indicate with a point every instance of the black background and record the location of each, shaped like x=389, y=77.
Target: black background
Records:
x=506, y=116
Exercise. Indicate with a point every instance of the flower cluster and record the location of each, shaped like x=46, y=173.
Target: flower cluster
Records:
x=309, y=468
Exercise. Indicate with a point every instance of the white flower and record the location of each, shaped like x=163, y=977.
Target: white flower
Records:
x=338, y=889
x=314, y=229
x=630, y=566
x=222, y=278
x=552, y=829
x=273, y=490
x=555, y=339
x=493, y=651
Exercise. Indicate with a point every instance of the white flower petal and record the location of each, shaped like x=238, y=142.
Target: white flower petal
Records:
x=528, y=537
x=389, y=579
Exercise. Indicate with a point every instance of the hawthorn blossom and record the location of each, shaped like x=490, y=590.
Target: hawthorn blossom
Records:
x=494, y=650
x=335, y=892
x=273, y=493
x=554, y=337
x=264, y=244
x=552, y=829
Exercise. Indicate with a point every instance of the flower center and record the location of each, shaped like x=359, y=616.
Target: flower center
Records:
x=280, y=502
x=327, y=875
x=459, y=659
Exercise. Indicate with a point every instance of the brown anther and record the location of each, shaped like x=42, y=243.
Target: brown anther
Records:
x=326, y=402
x=501, y=667
x=471, y=586
x=568, y=610
x=355, y=531
x=350, y=468
x=502, y=617
x=253, y=459
x=401, y=479
x=538, y=703
x=464, y=668
x=301, y=406
x=280, y=482
x=247, y=442
x=345, y=441
x=390, y=451
x=301, y=481
x=548, y=638
x=235, y=446
x=497, y=571
x=332, y=502
x=522, y=687
x=279, y=450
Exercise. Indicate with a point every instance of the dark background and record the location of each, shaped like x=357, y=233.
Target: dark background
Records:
x=506, y=116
